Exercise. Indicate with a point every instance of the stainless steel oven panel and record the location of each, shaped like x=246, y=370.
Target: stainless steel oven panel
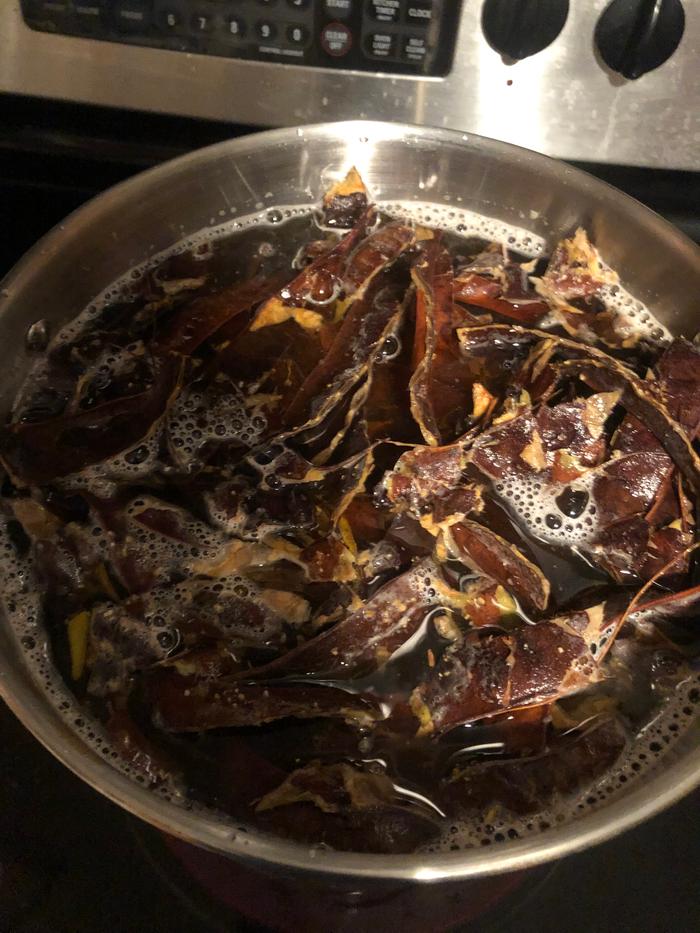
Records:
x=562, y=101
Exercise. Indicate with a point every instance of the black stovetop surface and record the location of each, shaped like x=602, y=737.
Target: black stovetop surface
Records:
x=72, y=862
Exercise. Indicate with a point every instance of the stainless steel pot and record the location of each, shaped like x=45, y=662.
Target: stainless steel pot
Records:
x=131, y=222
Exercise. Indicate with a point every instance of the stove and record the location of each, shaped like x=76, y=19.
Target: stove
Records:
x=72, y=861
x=609, y=80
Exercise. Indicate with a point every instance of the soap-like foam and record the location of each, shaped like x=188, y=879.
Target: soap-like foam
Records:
x=128, y=466
x=191, y=541
x=634, y=316
x=202, y=417
x=534, y=502
x=467, y=224
x=199, y=244
x=22, y=603
x=640, y=757
x=20, y=592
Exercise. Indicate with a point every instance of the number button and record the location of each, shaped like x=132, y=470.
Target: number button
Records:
x=170, y=19
x=298, y=4
x=201, y=22
x=266, y=30
x=297, y=35
x=235, y=27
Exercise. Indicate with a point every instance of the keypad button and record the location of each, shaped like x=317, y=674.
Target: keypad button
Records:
x=340, y=8
x=90, y=16
x=297, y=35
x=53, y=7
x=381, y=45
x=298, y=4
x=131, y=16
x=87, y=12
x=235, y=27
x=267, y=2
x=336, y=39
x=170, y=19
x=419, y=12
x=266, y=30
x=415, y=49
x=385, y=11
x=201, y=22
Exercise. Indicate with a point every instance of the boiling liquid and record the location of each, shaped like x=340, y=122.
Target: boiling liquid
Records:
x=267, y=243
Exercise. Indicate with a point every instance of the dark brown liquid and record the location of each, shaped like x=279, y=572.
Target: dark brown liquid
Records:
x=233, y=768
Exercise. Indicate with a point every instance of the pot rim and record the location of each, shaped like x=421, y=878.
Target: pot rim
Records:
x=661, y=788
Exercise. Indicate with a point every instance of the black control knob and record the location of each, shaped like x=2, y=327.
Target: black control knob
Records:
x=518, y=28
x=636, y=36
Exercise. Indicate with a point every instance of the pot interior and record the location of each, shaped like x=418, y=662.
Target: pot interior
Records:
x=459, y=173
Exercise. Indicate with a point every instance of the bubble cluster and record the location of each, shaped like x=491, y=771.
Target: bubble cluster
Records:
x=200, y=244
x=632, y=317
x=217, y=600
x=542, y=508
x=202, y=417
x=467, y=224
x=128, y=466
x=642, y=754
x=181, y=542
x=20, y=596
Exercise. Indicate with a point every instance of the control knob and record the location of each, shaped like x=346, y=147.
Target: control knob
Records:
x=636, y=36
x=518, y=28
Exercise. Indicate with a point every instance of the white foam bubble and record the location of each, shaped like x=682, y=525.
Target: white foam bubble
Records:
x=642, y=754
x=202, y=417
x=632, y=317
x=190, y=541
x=534, y=503
x=467, y=224
x=199, y=244
x=21, y=600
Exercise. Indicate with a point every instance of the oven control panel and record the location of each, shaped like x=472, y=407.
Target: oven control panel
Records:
x=402, y=36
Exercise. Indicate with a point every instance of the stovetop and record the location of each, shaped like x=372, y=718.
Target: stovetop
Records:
x=72, y=862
